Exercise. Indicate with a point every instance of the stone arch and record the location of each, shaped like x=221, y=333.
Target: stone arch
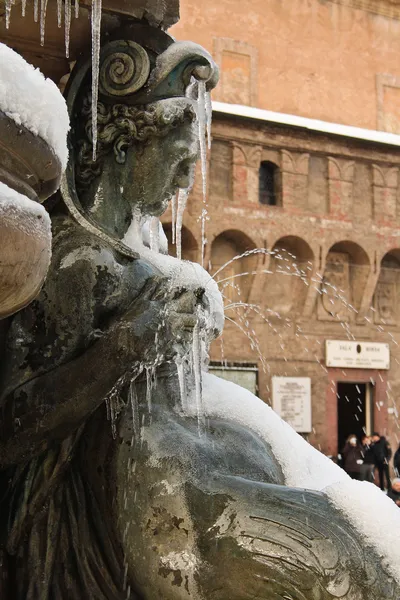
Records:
x=235, y=286
x=346, y=272
x=190, y=246
x=292, y=263
x=387, y=291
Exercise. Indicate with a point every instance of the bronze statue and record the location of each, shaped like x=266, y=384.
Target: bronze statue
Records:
x=110, y=489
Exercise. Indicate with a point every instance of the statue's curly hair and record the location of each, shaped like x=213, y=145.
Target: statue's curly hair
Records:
x=119, y=126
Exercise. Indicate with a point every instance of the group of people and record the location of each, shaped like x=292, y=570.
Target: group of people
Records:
x=373, y=454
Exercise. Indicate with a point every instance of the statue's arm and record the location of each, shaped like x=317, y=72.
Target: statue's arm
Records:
x=59, y=401
x=62, y=368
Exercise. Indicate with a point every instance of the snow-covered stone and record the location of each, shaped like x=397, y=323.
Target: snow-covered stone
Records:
x=25, y=233
x=371, y=512
x=33, y=101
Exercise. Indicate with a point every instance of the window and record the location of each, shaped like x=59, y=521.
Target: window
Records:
x=267, y=183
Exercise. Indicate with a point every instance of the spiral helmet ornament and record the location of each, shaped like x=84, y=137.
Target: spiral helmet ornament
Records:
x=124, y=69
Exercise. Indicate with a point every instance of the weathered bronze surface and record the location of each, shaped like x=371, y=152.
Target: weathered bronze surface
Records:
x=142, y=506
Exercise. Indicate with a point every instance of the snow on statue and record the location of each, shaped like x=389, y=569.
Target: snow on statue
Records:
x=33, y=153
x=128, y=472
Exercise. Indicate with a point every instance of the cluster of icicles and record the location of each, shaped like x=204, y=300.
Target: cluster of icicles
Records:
x=204, y=108
x=68, y=10
x=178, y=203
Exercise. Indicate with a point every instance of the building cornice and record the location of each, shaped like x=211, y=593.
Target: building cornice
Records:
x=386, y=8
x=347, y=131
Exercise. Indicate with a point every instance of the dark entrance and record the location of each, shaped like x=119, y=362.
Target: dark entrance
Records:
x=354, y=411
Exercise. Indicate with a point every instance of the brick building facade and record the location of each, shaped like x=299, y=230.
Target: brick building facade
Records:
x=323, y=200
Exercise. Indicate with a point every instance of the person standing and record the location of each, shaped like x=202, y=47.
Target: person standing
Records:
x=368, y=466
x=382, y=454
x=352, y=457
x=396, y=462
x=394, y=492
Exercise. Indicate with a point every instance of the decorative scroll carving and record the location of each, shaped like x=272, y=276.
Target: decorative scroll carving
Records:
x=385, y=303
x=341, y=176
x=387, y=292
x=246, y=164
x=294, y=179
x=335, y=288
x=385, y=184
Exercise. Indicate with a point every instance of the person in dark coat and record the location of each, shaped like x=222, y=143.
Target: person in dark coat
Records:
x=396, y=462
x=394, y=492
x=382, y=454
x=352, y=457
x=368, y=466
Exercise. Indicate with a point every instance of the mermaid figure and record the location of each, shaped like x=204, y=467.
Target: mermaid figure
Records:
x=126, y=472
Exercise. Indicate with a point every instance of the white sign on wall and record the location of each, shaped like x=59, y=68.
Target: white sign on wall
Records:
x=357, y=355
x=246, y=378
x=291, y=399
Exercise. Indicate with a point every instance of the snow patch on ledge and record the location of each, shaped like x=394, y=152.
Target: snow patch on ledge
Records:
x=19, y=212
x=249, y=112
x=33, y=101
x=369, y=510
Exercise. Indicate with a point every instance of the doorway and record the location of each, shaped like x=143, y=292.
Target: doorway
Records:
x=354, y=402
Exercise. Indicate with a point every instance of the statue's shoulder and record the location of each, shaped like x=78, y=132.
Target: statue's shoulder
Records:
x=71, y=240
x=81, y=255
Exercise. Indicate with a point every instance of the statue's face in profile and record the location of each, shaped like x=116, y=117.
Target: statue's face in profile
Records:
x=153, y=172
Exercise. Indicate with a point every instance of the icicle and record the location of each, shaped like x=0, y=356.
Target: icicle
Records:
x=182, y=199
x=96, y=29
x=43, y=9
x=67, y=24
x=180, y=367
x=59, y=12
x=8, y=12
x=201, y=117
x=76, y=9
x=149, y=387
x=173, y=210
x=112, y=414
x=196, y=354
x=135, y=410
x=35, y=10
x=154, y=230
x=208, y=117
x=23, y=7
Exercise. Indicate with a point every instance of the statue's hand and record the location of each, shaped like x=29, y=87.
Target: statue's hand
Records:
x=159, y=321
x=182, y=314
